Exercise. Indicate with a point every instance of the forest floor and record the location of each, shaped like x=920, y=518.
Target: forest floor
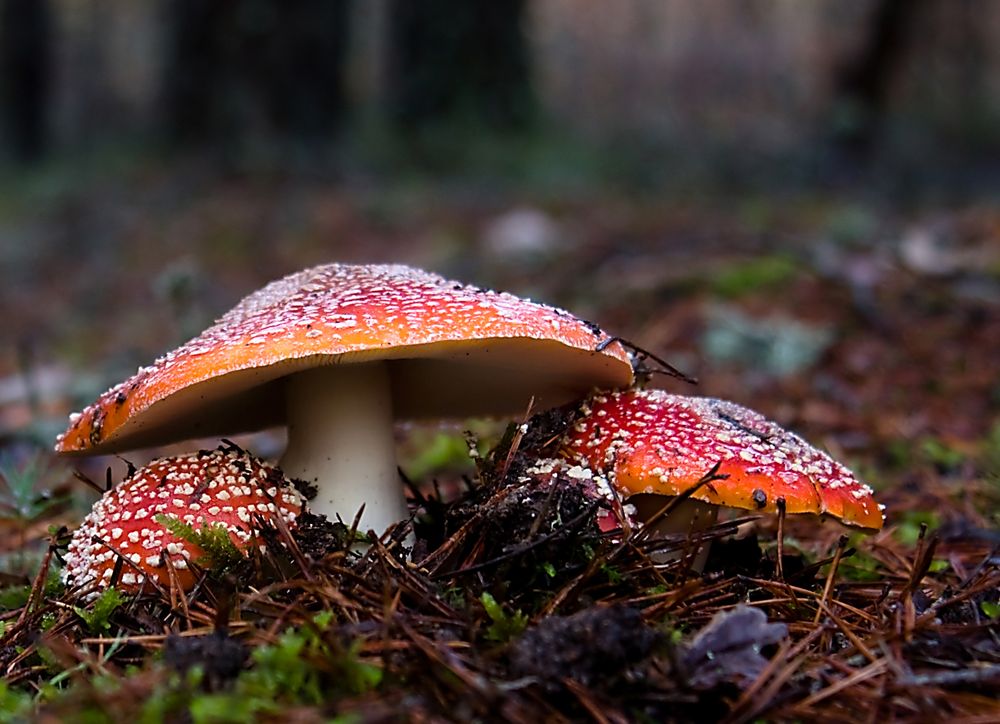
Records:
x=870, y=329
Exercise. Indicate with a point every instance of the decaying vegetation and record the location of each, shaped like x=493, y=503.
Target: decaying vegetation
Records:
x=514, y=606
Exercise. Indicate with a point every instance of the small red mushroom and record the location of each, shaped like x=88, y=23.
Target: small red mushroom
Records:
x=655, y=443
x=226, y=487
x=649, y=444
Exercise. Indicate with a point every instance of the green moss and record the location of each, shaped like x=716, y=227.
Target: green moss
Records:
x=306, y=666
x=990, y=455
x=220, y=554
x=613, y=574
x=504, y=626
x=98, y=616
x=990, y=609
x=938, y=565
x=940, y=454
x=860, y=566
x=765, y=272
x=14, y=597
x=908, y=530
x=15, y=705
x=23, y=496
x=444, y=451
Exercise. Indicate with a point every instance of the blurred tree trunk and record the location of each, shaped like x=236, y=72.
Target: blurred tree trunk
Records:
x=458, y=59
x=239, y=69
x=864, y=81
x=25, y=38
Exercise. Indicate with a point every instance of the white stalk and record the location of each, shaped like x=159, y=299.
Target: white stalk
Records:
x=340, y=439
x=689, y=516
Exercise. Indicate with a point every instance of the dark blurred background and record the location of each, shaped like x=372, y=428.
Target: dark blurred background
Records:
x=714, y=89
x=795, y=201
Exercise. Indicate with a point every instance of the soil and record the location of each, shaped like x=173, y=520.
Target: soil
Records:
x=220, y=657
x=905, y=627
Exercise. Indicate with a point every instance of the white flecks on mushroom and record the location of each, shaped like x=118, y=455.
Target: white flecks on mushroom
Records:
x=660, y=443
x=123, y=521
x=423, y=346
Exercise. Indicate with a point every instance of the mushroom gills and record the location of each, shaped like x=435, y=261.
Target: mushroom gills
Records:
x=340, y=432
x=687, y=517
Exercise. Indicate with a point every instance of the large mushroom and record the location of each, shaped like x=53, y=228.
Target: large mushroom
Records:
x=227, y=487
x=337, y=352
x=651, y=445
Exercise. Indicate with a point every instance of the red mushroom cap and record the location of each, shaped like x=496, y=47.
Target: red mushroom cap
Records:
x=454, y=350
x=223, y=487
x=655, y=442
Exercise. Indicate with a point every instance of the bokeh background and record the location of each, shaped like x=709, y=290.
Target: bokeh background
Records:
x=795, y=202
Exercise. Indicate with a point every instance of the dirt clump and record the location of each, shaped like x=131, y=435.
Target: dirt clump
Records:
x=593, y=646
x=220, y=657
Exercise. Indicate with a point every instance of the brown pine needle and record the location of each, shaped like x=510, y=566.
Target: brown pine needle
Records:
x=841, y=545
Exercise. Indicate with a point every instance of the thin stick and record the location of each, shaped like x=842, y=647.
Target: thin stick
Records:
x=37, y=586
x=851, y=636
x=643, y=354
x=780, y=502
x=515, y=443
x=876, y=668
x=176, y=590
x=841, y=545
x=707, y=479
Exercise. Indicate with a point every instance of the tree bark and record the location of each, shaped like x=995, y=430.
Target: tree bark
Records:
x=864, y=81
x=25, y=66
x=455, y=58
x=251, y=68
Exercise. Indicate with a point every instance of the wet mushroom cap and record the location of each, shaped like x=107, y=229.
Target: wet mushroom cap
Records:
x=226, y=487
x=658, y=443
x=452, y=350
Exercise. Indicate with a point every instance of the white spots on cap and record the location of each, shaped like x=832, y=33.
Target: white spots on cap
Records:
x=339, y=309
x=660, y=442
x=342, y=324
x=123, y=520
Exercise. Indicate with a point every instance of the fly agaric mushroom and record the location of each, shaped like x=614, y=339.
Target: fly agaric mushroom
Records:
x=335, y=352
x=227, y=487
x=651, y=443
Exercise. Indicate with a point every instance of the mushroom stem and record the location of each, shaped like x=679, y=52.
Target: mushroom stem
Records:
x=340, y=439
x=690, y=516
